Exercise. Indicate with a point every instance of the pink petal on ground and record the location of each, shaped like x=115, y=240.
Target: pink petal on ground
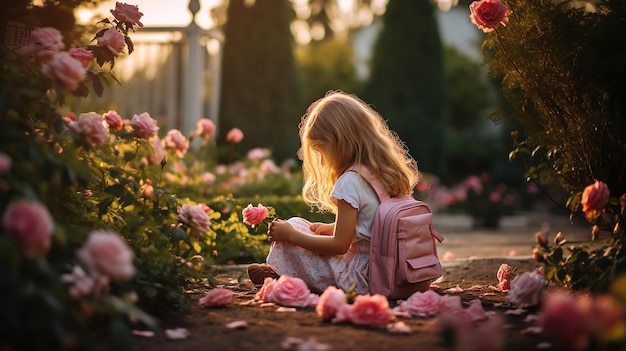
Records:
x=399, y=328
x=286, y=309
x=143, y=333
x=515, y=312
x=267, y=304
x=448, y=255
x=475, y=310
x=311, y=344
x=237, y=325
x=455, y=290
x=177, y=333
x=532, y=331
x=475, y=287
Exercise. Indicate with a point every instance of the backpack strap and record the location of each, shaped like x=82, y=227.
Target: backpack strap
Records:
x=373, y=180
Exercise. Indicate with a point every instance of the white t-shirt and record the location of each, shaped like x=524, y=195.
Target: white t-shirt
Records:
x=356, y=191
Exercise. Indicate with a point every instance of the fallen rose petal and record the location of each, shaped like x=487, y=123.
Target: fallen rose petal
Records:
x=475, y=287
x=249, y=302
x=143, y=333
x=475, y=311
x=515, y=312
x=399, y=328
x=455, y=290
x=237, y=325
x=286, y=309
x=267, y=304
x=311, y=344
x=177, y=333
x=530, y=318
x=532, y=331
x=544, y=345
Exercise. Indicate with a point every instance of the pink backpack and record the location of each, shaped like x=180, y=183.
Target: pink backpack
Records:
x=403, y=248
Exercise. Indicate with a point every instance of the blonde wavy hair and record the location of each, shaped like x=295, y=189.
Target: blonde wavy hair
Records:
x=340, y=131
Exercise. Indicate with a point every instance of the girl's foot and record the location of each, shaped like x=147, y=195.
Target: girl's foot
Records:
x=259, y=271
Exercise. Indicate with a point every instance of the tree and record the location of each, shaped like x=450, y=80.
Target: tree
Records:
x=260, y=92
x=407, y=84
x=326, y=65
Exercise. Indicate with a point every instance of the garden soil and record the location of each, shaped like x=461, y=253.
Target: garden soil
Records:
x=267, y=328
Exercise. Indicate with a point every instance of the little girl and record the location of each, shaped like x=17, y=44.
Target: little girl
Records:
x=339, y=134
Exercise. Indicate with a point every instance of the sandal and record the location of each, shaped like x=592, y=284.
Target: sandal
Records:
x=259, y=271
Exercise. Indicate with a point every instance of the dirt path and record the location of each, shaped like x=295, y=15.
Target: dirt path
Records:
x=267, y=328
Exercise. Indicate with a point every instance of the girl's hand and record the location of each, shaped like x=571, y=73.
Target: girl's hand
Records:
x=323, y=228
x=279, y=230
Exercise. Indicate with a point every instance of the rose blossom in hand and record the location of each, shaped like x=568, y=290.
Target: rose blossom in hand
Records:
x=107, y=254
x=254, y=215
x=29, y=224
x=488, y=14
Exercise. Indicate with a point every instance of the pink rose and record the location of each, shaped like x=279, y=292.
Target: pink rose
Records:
x=92, y=127
x=264, y=291
x=144, y=126
x=5, y=163
x=112, y=40
x=330, y=301
x=488, y=14
x=158, y=154
x=83, y=55
x=127, y=13
x=113, y=119
x=29, y=224
x=450, y=303
x=66, y=69
x=563, y=321
x=526, y=289
x=81, y=283
x=147, y=189
x=216, y=298
x=372, y=310
x=475, y=311
x=107, y=254
x=291, y=292
x=422, y=304
x=176, y=141
x=45, y=42
x=504, y=277
x=258, y=153
x=594, y=198
x=205, y=128
x=195, y=217
x=234, y=136
x=254, y=215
